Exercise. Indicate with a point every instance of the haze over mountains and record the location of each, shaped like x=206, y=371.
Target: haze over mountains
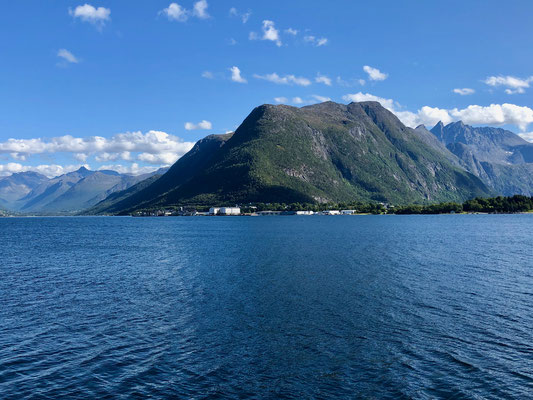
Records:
x=31, y=192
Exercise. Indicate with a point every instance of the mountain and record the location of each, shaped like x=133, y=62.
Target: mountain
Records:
x=502, y=159
x=109, y=204
x=182, y=171
x=319, y=153
x=30, y=192
x=18, y=185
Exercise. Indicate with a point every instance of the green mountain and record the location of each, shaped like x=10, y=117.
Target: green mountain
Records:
x=502, y=159
x=319, y=153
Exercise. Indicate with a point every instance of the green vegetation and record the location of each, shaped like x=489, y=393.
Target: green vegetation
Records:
x=321, y=154
x=500, y=204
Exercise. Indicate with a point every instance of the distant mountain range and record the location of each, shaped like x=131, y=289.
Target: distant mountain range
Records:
x=502, y=159
x=326, y=152
x=319, y=153
x=31, y=192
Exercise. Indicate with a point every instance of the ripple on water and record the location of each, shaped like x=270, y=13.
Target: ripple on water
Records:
x=371, y=307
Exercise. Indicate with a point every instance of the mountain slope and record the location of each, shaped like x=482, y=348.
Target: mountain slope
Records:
x=502, y=159
x=75, y=191
x=324, y=152
x=183, y=170
x=18, y=185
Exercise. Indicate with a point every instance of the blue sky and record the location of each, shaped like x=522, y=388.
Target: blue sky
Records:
x=134, y=73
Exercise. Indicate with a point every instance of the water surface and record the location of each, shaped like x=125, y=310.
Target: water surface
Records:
x=267, y=307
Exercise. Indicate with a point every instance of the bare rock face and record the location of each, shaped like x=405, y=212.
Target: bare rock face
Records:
x=502, y=159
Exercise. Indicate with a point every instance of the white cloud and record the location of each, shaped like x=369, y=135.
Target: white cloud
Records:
x=513, y=84
x=132, y=169
x=206, y=125
x=67, y=56
x=526, y=136
x=105, y=157
x=232, y=42
x=291, y=31
x=374, y=74
x=323, y=79
x=208, y=75
x=284, y=80
x=236, y=75
x=153, y=142
x=320, y=99
x=175, y=12
x=200, y=9
x=88, y=13
x=316, y=41
x=47, y=170
x=269, y=33
x=233, y=12
x=299, y=100
x=162, y=158
x=464, y=91
x=82, y=157
x=494, y=114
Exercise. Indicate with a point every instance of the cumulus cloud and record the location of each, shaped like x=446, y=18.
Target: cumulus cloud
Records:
x=513, y=85
x=200, y=9
x=374, y=74
x=50, y=171
x=316, y=41
x=284, y=80
x=494, y=114
x=67, y=56
x=175, y=12
x=105, y=157
x=281, y=99
x=82, y=157
x=87, y=13
x=323, y=79
x=153, y=142
x=236, y=75
x=297, y=100
x=291, y=31
x=269, y=33
x=464, y=91
x=244, y=16
x=206, y=125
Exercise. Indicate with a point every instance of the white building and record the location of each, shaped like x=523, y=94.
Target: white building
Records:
x=229, y=211
x=332, y=212
x=348, y=212
x=304, y=212
x=214, y=210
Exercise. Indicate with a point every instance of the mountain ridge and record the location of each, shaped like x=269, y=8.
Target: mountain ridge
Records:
x=316, y=153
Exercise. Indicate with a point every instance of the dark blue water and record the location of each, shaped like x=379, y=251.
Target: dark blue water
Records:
x=267, y=307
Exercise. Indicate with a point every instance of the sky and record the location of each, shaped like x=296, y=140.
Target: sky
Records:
x=132, y=85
